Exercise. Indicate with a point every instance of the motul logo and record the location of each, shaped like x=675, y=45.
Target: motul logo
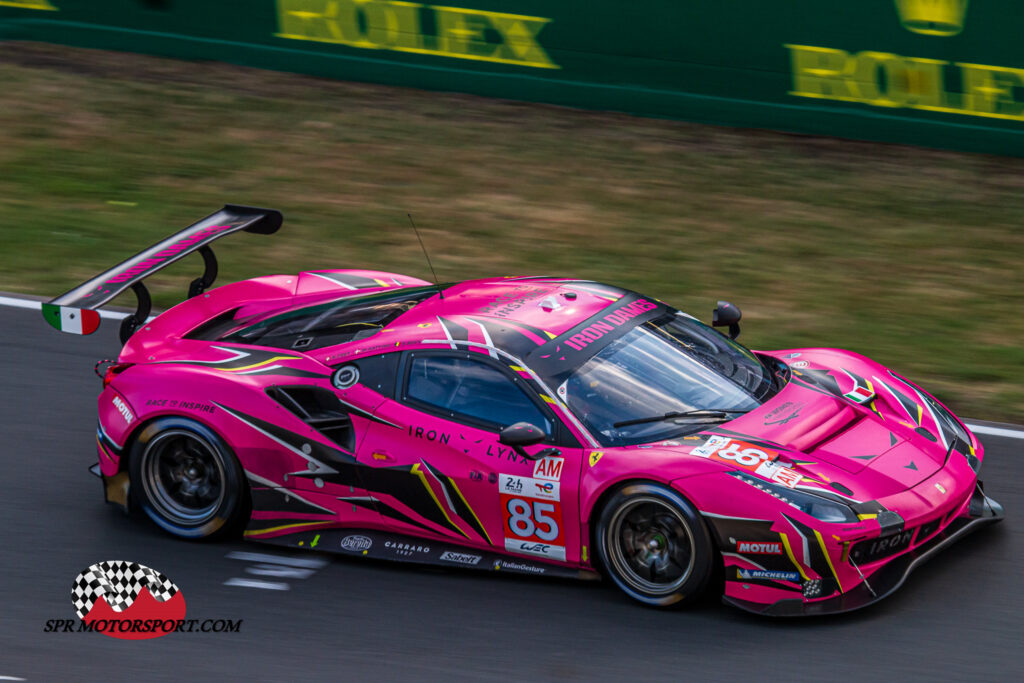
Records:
x=752, y=548
x=123, y=409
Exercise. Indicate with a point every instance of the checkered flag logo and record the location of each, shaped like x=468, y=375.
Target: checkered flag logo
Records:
x=119, y=583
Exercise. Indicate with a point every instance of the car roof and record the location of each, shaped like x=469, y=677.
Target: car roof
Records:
x=513, y=314
x=516, y=315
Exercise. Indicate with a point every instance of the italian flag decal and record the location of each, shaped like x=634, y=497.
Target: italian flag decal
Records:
x=73, y=320
x=860, y=394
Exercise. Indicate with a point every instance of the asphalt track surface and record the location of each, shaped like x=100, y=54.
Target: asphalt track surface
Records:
x=957, y=618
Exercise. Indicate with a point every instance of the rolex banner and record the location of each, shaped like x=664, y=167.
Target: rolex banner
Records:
x=945, y=73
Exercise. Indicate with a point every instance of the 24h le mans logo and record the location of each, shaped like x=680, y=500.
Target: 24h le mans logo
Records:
x=127, y=600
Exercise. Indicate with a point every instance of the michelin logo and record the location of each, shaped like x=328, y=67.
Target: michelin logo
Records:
x=767, y=574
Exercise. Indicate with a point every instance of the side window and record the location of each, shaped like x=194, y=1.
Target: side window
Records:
x=470, y=389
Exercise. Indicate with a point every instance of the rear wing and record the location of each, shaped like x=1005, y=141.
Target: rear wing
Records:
x=75, y=311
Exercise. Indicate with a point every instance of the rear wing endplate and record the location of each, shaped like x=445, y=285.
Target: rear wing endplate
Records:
x=75, y=311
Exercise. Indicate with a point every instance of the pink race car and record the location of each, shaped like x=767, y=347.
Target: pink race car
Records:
x=524, y=424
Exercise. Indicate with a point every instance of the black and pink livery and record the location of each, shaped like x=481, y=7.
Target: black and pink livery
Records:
x=539, y=425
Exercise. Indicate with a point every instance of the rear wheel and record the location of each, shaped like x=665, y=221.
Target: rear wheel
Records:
x=186, y=479
x=653, y=544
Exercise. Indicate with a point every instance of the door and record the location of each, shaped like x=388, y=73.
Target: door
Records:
x=439, y=468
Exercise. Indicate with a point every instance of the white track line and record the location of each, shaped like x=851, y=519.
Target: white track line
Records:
x=996, y=431
x=253, y=583
x=305, y=562
x=37, y=305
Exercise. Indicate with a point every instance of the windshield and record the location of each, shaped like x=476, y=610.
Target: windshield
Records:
x=671, y=364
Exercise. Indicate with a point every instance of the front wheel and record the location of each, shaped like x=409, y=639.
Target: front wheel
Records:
x=186, y=479
x=653, y=544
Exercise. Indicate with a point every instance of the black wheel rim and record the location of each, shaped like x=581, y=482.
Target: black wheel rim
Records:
x=183, y=477
x=650, y=545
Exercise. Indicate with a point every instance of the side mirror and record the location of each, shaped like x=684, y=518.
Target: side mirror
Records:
x=525, y=434
x=727, y=315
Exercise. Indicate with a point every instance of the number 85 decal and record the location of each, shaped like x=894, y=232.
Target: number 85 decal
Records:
x=535, y=519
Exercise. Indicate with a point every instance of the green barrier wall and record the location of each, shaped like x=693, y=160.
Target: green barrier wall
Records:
x=942, y=73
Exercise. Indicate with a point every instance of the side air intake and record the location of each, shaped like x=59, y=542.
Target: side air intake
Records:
x=320, y=409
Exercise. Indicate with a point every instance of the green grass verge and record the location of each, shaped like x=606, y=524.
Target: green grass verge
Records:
x=913, y=257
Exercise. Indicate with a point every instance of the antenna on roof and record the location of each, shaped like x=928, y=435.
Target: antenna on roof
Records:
x=436, y=284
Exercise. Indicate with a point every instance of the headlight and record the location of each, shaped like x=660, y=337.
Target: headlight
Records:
x=819, y=507
x=947, y=420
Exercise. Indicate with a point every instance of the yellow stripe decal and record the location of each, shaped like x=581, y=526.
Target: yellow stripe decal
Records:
x=828, y=559
x=381, y=282
x=254, y=532
x=547, y=399
x=920, y=413
x=792, y=558
x=517, y=368
x=261, y=363
x=423, y=478
x=470, y=508
x=103, y=450
x=863, y=517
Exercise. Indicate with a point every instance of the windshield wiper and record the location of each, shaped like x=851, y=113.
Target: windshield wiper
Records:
x=707, y=412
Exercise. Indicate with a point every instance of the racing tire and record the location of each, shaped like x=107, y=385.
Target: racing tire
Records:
x=186, y=479
x=654, y=545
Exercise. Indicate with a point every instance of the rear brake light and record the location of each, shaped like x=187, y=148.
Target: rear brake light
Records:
x=113, y=371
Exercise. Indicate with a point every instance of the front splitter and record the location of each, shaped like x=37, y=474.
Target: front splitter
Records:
x=889, y=578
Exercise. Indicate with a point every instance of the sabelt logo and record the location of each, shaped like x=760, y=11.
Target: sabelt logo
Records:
x=460, y=558
x=356, y=543
x=114, y=597
x=758, y=548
